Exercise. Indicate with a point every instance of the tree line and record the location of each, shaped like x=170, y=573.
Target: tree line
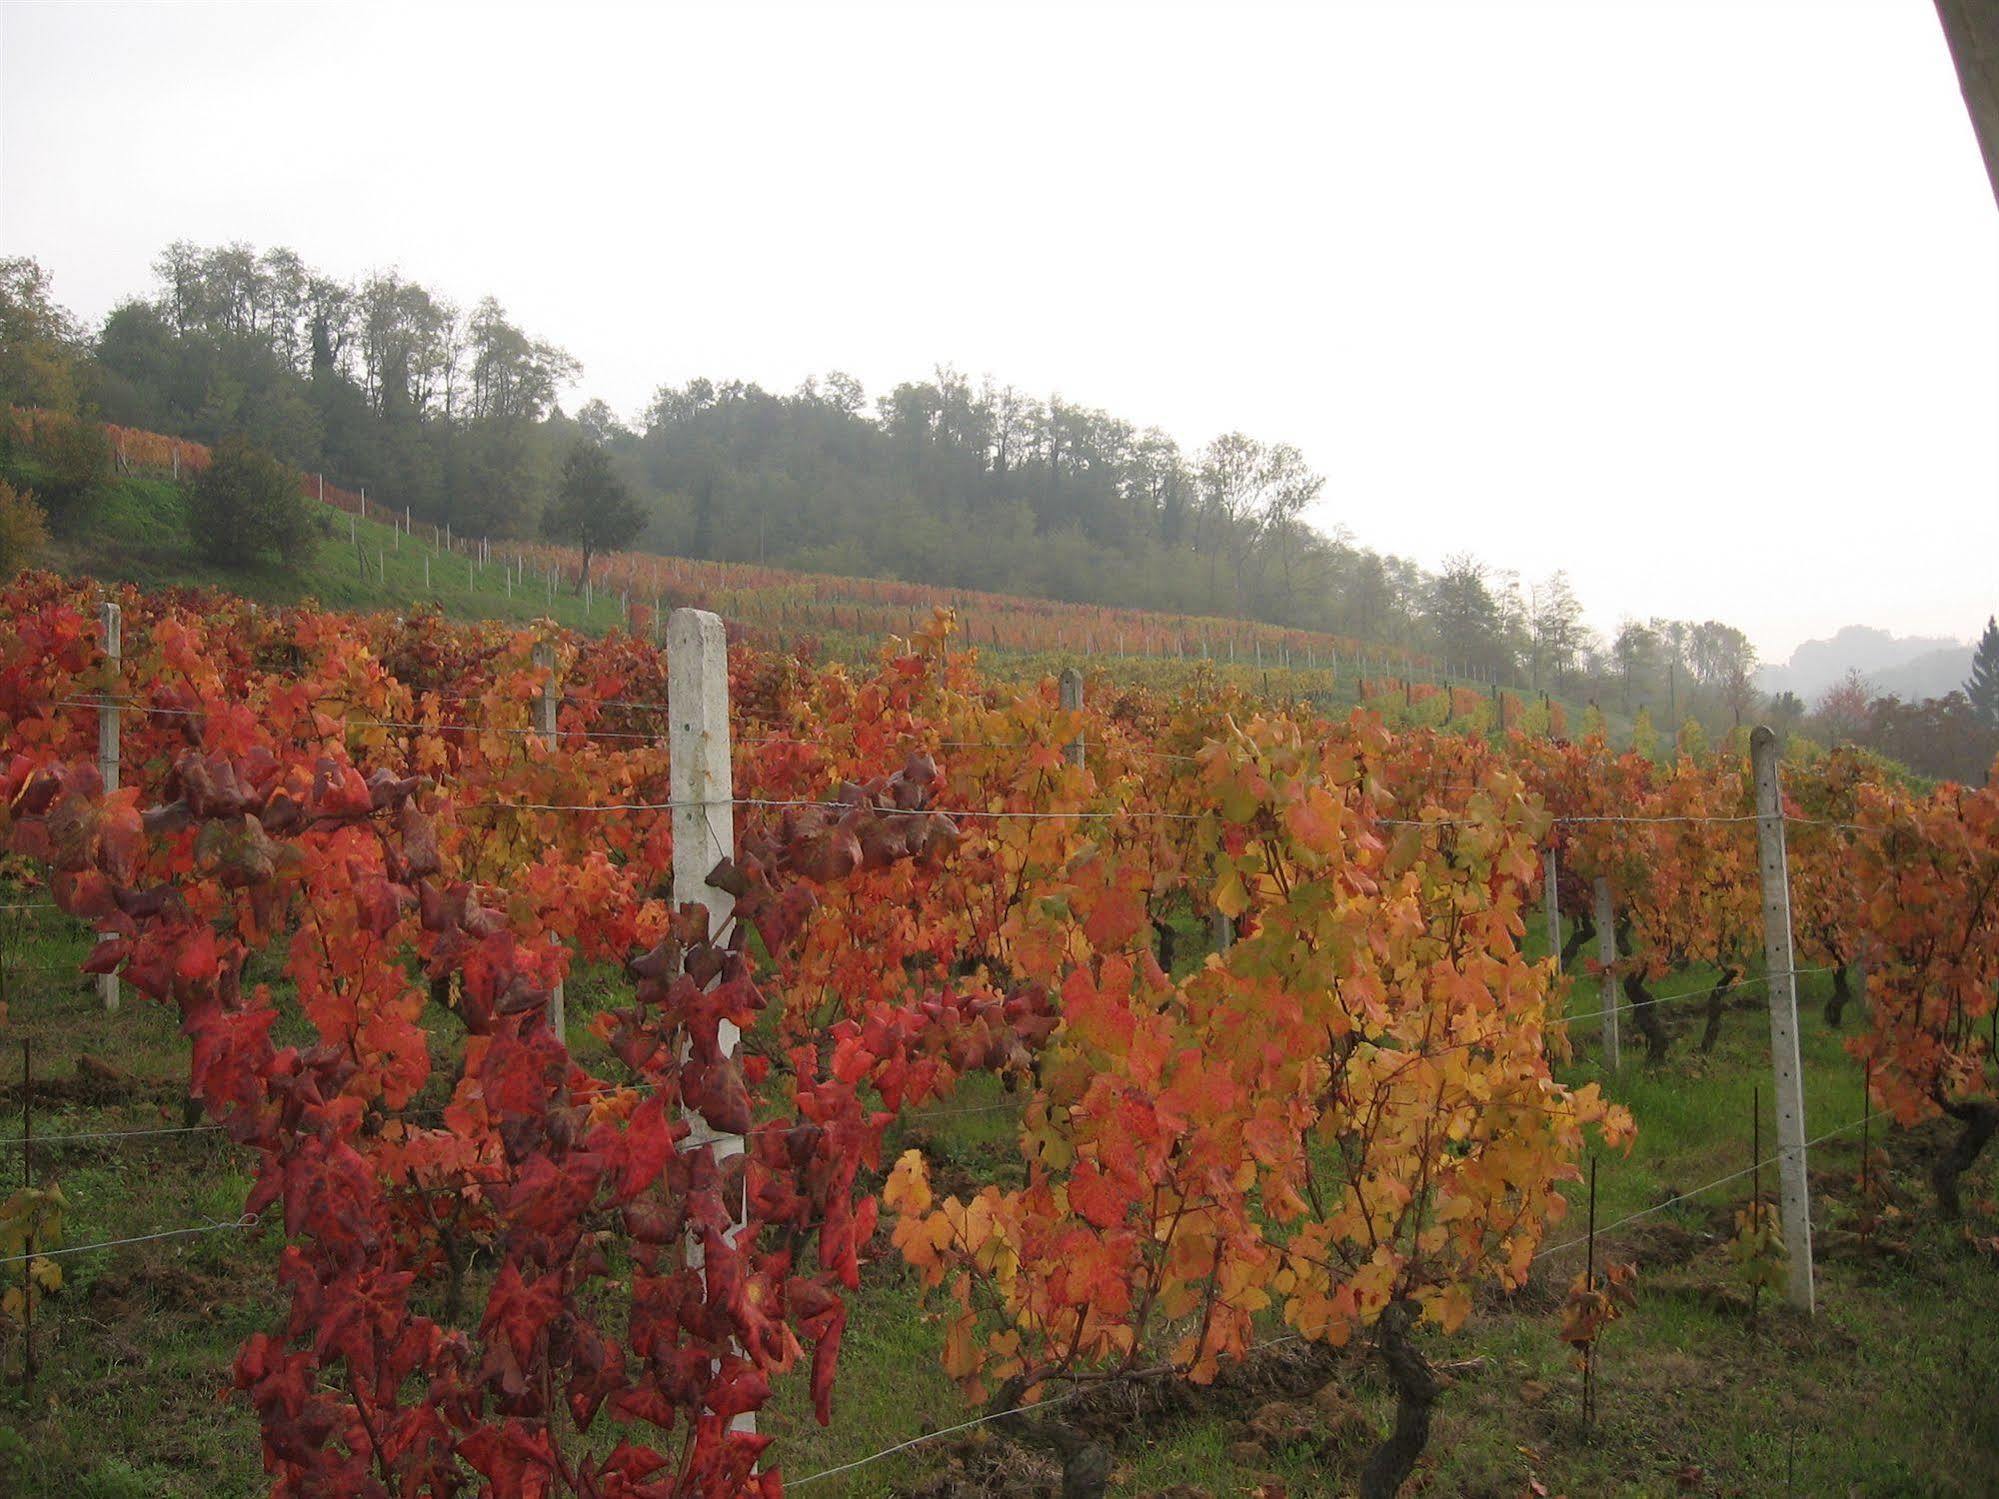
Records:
x=386, y=384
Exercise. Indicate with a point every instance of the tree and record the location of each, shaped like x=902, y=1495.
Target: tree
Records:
x=1982, y=686
x=592, y=510
x=1786, y=710
x=1842, y=708
x=246, y=504
x=600, y=423
x=77, y=458
x=1464, y=618
x=1249, y=490
x=1635, y=650
x=1940, y=737
x=24, y=531
x=1555, y=621
x=37, y=340
x=1721, y=655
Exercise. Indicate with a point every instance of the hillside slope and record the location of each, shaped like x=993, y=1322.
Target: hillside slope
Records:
x=137, y=533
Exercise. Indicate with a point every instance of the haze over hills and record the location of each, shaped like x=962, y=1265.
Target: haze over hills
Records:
x=1911, y=667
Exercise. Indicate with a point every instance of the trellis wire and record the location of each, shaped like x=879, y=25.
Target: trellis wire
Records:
x=1719, y=1181
x=589, y=733
x=248, y=1220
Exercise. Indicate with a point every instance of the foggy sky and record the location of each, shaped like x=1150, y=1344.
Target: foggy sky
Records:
x=1698, y=299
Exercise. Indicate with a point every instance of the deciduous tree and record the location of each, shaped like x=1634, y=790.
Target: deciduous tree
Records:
x=592, y=509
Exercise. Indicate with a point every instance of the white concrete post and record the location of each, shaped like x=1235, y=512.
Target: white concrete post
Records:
x=1780, y=972
x=1551, y=898
x=107, y=739
x=544, y=713
x=1072, y=702
x=1606, y=954
x=702, y=788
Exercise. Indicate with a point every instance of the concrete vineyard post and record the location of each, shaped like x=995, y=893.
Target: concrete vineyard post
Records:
x=702, y=789
x=544, y=713
x=113, y=619
x=1780, y=967
x=1072, y=702
x=1606, y=954
x=1551, y=900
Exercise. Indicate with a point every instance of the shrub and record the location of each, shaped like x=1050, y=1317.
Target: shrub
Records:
x=24, y=530
x=77, y=456
x=247, y=504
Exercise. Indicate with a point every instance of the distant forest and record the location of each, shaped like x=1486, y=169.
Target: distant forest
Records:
x=386, y=384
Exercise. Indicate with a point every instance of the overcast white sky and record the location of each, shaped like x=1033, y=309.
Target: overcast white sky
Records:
x=1698, y=299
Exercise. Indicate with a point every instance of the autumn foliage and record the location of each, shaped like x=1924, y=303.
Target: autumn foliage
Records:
x=526, y=1268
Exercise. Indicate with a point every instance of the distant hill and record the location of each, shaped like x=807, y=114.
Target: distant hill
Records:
x=1905, y=666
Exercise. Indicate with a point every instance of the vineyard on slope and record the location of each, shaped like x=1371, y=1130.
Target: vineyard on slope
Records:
x=537, y=1263
x=851, y=615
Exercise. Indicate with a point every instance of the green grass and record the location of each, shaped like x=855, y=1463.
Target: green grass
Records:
x=136, y=532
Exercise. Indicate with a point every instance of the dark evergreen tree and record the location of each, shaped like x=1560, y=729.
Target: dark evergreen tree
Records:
x=1982, y=686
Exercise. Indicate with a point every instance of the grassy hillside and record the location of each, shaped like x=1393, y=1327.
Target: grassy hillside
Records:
x=137, y=533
